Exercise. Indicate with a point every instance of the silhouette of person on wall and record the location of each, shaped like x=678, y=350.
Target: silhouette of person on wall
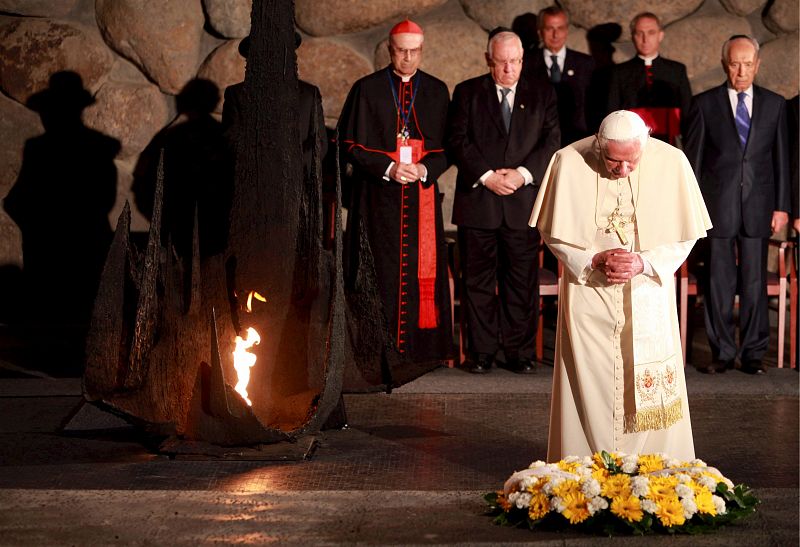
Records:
x=197, y=173
x=61, y=202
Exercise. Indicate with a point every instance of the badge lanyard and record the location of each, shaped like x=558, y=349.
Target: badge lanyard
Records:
x=404, y=133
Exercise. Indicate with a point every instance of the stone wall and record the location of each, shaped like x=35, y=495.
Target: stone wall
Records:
x=135, y=55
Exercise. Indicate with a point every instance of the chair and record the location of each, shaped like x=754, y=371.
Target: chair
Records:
x=548, y=286
x=777, y=283
x=663, y=122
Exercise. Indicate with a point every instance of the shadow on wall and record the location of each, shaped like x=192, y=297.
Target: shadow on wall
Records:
x=60, y=202
x=198, y=173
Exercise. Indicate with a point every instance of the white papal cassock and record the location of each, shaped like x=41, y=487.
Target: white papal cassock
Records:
x=618, y=383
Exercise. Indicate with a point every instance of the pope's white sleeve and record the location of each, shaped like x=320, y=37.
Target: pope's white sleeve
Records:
x=666, y=259
x=578, y=261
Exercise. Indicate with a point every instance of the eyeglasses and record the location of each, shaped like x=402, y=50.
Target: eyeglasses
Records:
x=509, y=62
x=403, y=52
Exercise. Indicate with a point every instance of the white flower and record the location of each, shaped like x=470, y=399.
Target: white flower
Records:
x=587, y=461
x=572, y=459
x=727, y=482
x=640, y=485
x=708, y=482
x=598, y=503
x=591, y=488
x=683, y=477
x=649, y=506
x=671, y=462
x=557, y=504
x=698, y=463
x=529, y=481
x=512, y=497
x=689, y=507
x=630, y=464
x=584, y=472
x=523, y=501
x=537, y=463
x=719, y=505
x=684, y=491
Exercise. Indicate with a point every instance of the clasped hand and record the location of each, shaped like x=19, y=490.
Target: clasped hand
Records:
x=504, y=182
x=619, y=265
x=405, y=173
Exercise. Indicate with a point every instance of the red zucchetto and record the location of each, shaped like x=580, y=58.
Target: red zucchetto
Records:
x=406, y=27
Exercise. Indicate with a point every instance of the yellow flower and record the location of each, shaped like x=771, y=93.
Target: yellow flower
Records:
x=697, y=488
x=661, y=488
x=616, y=486
x=599, y=473
x=628, y=508
x=566, y=488
x=568, y=467
x=704, y=502
x=538, y=507
x=597, y=459
x=670, y=511
x=649, y=463
x=576, y=509
x=502, y=501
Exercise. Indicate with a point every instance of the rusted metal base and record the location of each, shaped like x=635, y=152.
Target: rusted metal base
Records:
x=180, y=449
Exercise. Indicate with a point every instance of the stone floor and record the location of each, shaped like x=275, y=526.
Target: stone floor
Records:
x=411, y=468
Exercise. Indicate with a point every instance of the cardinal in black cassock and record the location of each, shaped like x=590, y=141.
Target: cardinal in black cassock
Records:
x=391, y=133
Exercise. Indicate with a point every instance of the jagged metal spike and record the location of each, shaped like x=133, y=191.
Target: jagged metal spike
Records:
x=218, y=400
x=146, y=307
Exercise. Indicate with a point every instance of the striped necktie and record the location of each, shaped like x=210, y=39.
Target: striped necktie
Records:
x=742, y=120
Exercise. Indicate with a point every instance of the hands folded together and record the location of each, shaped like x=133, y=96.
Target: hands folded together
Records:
x=619, y=265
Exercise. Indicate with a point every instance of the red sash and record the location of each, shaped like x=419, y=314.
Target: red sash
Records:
x=426, y=270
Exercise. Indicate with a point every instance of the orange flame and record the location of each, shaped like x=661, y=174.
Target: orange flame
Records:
x=243, y=361
x=250, y=296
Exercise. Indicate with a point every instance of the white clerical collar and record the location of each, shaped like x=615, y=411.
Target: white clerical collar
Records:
x=648, y=60
x=404, y=78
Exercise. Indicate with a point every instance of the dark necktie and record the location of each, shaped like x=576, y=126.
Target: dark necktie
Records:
x=555, y=71
x=505, y=108
x=742, y=120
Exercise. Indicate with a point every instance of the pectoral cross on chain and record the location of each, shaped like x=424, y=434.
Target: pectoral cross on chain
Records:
x=617, y=223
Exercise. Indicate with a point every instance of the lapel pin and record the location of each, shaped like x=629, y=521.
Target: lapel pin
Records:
x=570, y=72
x=522, y=107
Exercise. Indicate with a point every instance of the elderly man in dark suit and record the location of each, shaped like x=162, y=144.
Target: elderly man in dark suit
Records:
x=502, y=132
x=568, y=70
x=737, y=143
x=649, y=79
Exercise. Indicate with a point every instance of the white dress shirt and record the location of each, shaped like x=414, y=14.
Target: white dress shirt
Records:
x=526, y=175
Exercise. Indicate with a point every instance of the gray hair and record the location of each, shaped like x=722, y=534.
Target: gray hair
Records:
x=503, y=36
x=726, y=47
x=550, y=11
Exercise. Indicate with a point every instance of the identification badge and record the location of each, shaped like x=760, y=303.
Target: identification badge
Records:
x=405, y=154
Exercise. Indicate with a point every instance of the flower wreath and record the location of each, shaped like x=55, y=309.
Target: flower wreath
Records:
x=614, y=493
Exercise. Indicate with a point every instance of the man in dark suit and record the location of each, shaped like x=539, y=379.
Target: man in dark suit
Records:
x=737, y=143
x=502, y=132
x=568, y=70
x=649, y=80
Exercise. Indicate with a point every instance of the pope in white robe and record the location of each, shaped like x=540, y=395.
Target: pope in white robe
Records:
x=621, y=211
